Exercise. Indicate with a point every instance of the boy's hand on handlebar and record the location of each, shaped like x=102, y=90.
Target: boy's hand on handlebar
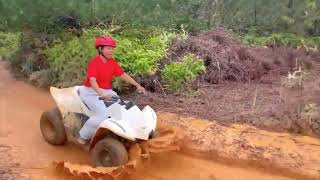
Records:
x=141, y=89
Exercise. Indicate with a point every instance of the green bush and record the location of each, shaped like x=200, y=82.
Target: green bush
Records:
x=9, y=43
x=140, y=56
x=177, y=74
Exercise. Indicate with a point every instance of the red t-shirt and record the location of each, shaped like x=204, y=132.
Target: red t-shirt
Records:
x=103, y=72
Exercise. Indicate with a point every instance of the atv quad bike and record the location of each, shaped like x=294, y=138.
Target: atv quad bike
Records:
x=126, y=124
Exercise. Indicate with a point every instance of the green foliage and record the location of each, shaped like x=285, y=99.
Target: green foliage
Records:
x=281, y=39
x=301, y=17
x=9, y=43
x=176, y=74
x=39, y=15
x=140, y=56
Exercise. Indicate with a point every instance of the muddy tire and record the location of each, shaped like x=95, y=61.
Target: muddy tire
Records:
x=109, y=152
x=52, y=127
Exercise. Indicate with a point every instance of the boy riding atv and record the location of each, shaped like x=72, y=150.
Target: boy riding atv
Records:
x=100, y=71
x=95, y=113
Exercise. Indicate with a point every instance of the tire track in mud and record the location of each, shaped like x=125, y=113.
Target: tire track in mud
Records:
x=29, y=156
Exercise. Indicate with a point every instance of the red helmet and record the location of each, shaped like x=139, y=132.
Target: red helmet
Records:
x=105, y=41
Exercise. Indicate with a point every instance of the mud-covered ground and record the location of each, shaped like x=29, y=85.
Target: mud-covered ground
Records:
x=25, y=155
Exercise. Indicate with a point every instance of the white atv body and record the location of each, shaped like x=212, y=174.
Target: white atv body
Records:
x=126, y=124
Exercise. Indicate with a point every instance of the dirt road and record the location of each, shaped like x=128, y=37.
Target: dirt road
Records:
x=25, y=155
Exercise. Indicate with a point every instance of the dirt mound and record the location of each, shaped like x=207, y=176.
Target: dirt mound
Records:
x=168, y=140
x=226, y=58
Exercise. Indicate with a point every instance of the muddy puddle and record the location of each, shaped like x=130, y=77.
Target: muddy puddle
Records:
x=26, y=154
